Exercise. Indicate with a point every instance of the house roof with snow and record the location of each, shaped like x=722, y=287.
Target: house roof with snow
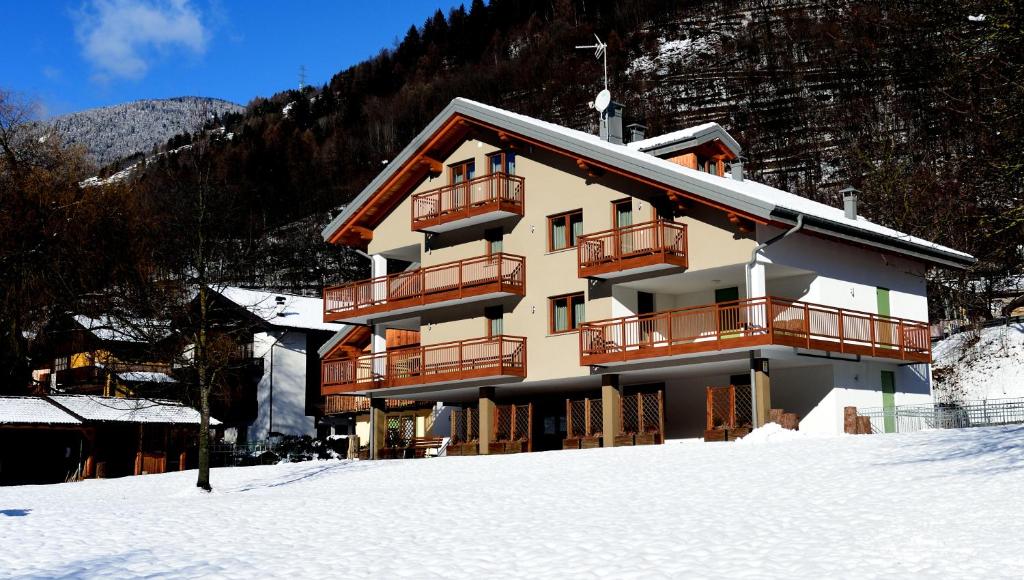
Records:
x=33, y=411
x=686, y=138
x=91, y=408
x=757, y=201
x=145, y=377
x=109, y=328
x=281, y=310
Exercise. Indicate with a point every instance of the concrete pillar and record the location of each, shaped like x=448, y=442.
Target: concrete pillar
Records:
x=756, y=284
x=761, y=390
x=378, y=427
x=379, y=269
x=486, y=413
x=611, y=403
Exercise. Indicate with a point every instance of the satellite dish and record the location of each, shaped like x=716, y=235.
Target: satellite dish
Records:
x=604, y=98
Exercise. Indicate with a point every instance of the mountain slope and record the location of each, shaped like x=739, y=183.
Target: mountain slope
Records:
x=110, y=133
x=913, y=103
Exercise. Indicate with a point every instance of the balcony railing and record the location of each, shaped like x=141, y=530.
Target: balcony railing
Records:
x=645, y=246
x=754, y=322
x=453, y=281
x=498, y=356
x=497, y=192
x=342, y=404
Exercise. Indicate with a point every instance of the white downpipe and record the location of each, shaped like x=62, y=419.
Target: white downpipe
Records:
x=757, y=287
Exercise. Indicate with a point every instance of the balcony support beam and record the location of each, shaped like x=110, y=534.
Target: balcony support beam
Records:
x=760, y=389
x=378, y=426
x=611, y=407
x=486, y=416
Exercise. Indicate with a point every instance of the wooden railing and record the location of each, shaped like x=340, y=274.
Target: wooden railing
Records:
x=340, y=404
x=451, y=361
x=649, y=243
x=450, y=281
x=497, y=191
x=758, y=321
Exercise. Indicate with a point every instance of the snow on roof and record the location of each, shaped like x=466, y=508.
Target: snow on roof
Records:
x=33, y=410
x=115, y=409
x=687, y=134
x=291, y=312
x=109, y=328
x=749, y=196
x=145, y=377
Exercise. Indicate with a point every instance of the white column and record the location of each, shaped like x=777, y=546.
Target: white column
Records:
x=756, y=285
x=379, y=269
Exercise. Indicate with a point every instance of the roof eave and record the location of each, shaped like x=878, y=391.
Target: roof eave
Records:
x=834, y=229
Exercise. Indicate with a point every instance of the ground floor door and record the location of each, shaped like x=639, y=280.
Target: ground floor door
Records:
x=549, y=424
x=889, y=400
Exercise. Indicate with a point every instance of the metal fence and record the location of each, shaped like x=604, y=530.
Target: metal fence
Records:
x=236, y=454
x=910, y=418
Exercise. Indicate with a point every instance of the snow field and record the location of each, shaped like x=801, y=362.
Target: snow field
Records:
x=929, y=504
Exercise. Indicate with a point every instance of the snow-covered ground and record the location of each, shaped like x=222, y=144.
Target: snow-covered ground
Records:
x=990, y=368
x=929, y=504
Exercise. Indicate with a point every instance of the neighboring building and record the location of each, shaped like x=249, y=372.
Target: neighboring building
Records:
x=68, y=437
x=667, y=295
x=275, y=389
x=106, y=356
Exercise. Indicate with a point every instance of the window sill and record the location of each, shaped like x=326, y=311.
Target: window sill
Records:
x=561, y=251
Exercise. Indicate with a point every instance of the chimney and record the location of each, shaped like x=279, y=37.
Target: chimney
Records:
x=637, y=132
x=737, y=169
x=849, y=201
x=611, y=123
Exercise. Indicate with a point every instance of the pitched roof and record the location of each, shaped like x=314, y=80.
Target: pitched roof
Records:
x=33, y=411
x=292, y=311
x=114, y=329
x=123, y=410
x=748, y=197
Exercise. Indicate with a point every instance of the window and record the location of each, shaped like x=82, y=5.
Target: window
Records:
x=60, y=363
x=493, y=236
x=495, y=320
x=461, y=172
x=623, y=213
x=502, y=162
x=567, y=312
x=564, y=229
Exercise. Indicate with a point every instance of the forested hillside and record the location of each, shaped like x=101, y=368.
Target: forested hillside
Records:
x=915, y=103
x=111, y=133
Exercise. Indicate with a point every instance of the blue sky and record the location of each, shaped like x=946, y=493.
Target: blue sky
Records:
x=79, y=54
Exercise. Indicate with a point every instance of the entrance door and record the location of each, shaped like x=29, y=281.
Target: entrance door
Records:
x=624, y=218
x=889, y=400
x=645, y=306
x=728, y=318
x=885, y=331
x=549, y=424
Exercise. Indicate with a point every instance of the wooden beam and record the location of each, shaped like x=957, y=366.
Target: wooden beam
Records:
x=592, y=171
x=434, y=167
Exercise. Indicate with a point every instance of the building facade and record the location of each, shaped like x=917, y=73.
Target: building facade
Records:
x=568, y=290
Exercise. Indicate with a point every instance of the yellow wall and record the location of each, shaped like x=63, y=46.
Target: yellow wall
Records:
x=553, y=184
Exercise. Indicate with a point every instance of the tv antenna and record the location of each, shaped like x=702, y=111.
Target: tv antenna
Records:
x=302, y=76
x=600, y=53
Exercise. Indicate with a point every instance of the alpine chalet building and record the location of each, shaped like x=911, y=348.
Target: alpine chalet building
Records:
x=557, y=289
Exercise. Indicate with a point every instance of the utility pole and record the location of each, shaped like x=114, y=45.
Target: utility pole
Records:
x=302, y=76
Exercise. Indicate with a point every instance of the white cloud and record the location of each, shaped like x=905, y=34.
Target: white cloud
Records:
x=121, y=37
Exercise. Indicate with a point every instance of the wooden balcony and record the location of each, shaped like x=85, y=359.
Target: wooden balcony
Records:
x=450, y=362
x=345, y=404
x=415, y=291
x=752, y=323
x=635, y=249
x=479, y=200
